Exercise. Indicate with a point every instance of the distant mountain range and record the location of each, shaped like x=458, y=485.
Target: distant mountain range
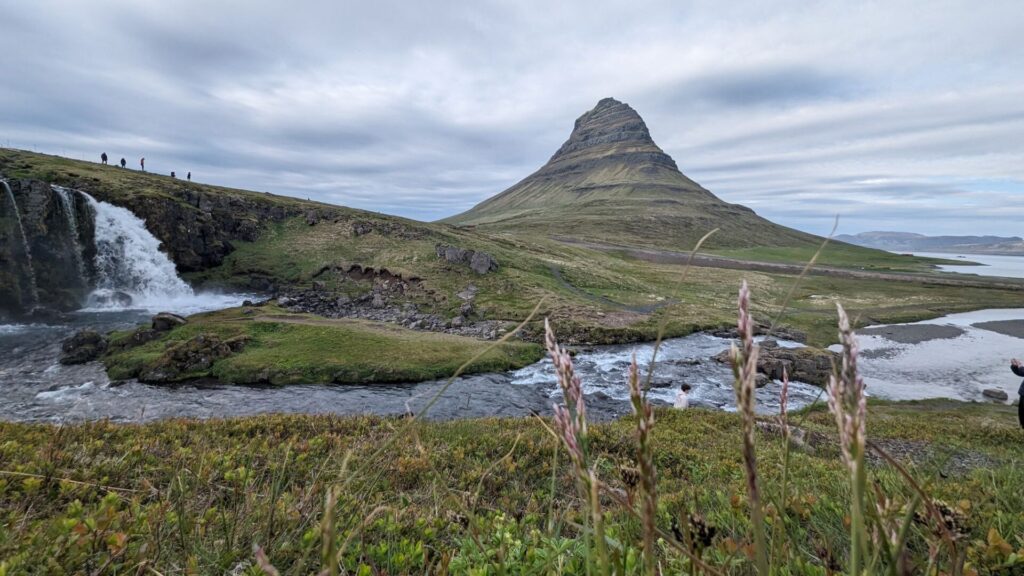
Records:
x=910, y=242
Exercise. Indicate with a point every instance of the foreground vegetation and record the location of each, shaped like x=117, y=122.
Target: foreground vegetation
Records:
x=480, y=496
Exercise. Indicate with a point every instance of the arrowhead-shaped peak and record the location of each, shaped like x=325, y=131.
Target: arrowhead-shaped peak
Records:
x=609, y=123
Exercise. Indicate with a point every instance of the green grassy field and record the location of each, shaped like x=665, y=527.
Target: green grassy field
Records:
x=471, y=497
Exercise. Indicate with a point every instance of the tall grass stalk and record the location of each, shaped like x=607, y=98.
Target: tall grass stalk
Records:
x=645, y=458
x=571, y=427
x=744, y=366
x=848, y=404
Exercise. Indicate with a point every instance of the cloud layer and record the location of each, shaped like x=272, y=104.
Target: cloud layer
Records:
x=898, y=115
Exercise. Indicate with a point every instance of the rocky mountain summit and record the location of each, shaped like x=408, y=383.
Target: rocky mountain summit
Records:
x=611, y=182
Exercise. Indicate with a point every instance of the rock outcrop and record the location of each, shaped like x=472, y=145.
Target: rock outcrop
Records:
x=810, y=365
x=84, y=346
x=196, y=355
x=47, y=248
x=479, y=262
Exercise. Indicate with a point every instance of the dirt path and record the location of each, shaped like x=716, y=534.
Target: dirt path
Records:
x=708, y=261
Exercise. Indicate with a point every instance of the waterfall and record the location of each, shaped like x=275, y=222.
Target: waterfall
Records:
x=33, y=288
x=129, y=261
x=67, y=202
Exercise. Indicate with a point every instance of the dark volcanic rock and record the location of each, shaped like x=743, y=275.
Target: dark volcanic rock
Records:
x=811, y=365
x=84, y=346
x=479, y=262
x=165, y=321
x=47, y=248
x=995, y=394
x=610, y=122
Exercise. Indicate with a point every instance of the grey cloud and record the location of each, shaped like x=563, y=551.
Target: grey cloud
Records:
x=424, y=109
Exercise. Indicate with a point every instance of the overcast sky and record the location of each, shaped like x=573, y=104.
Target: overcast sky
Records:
x=896, y=115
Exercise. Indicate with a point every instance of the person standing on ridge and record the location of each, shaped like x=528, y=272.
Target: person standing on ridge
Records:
x=1018, y=369
x=142, y=163
x=189, y=176
x=172, y=174
x=123, y=162
x=103, y=158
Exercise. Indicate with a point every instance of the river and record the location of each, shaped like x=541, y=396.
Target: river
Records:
x=956, y=356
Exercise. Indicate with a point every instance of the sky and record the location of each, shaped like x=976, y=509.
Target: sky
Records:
x=894, y=115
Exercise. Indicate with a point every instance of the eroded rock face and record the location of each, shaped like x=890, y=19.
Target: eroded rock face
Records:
x=84, y=346
x=47, y=248
x=479, y=262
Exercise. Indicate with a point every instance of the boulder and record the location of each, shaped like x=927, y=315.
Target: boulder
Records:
x=165, y=321
x=811, y=365
x=479, y=262
x=482, y=263
x=84, y=346
x=995, y=394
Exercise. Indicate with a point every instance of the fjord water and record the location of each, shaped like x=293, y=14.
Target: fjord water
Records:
x=991, y=264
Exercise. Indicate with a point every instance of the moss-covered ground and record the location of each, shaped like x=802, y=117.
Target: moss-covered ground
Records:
x=284, y=348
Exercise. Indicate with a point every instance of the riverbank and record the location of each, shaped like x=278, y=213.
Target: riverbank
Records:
x=183, y=495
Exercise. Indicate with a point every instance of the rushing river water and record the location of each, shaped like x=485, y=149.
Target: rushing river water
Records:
x=955, y=356
x=37, y=388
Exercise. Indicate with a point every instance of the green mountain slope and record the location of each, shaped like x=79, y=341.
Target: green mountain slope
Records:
x=610, y=182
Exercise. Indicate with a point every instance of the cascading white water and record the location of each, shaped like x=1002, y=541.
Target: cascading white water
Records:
x=33, y=287
x=67, y=202
x=129, y=261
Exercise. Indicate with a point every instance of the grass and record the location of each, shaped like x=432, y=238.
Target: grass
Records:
x=480, y=496
x=283, y=348
x=840, y=255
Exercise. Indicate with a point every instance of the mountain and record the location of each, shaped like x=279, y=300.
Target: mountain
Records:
x=910, y=242
x=610, y=182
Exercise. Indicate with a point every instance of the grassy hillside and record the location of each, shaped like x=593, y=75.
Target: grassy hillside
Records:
x=482, y=496
x=595, y=295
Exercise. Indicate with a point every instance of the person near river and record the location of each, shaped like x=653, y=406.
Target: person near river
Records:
x=1018, y=369
x=683, y=397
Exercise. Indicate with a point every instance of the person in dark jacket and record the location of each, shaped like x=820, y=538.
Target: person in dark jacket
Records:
x=123, y=162
x=1018, y=369
x=103, y=157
